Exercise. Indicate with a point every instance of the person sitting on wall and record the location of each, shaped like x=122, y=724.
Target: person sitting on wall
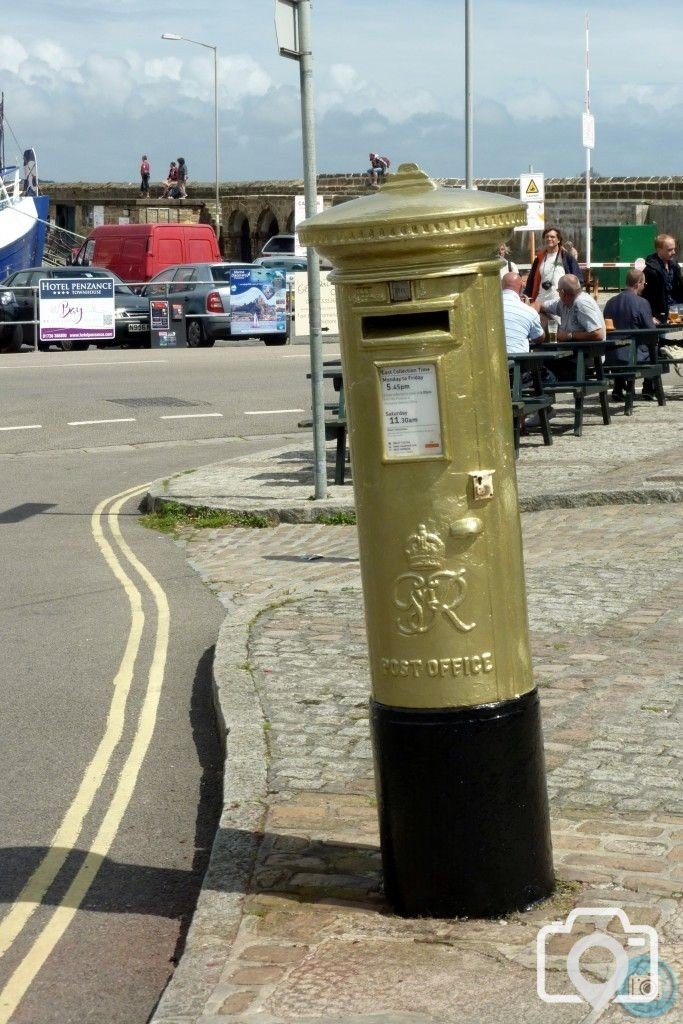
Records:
x=171, y=180
x=379, y=165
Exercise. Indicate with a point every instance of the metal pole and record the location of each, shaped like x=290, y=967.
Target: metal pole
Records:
x=310, y=189
x=174, y=37
x=468, y=98
x=215, y=126
x=588, y=156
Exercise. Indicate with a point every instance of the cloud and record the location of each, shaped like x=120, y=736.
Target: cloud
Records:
x=99, y=87
x=12, y=54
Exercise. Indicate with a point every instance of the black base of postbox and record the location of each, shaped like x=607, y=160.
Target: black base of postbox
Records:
x=463, y=808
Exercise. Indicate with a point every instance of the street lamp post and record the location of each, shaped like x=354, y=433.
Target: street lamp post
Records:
x=469, y=158
x=208, y=46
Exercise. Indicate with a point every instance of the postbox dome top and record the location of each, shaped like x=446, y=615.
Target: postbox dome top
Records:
x=411, y=217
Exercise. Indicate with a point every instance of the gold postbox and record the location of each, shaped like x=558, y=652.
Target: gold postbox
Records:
x=454, y=715
x=428, y=400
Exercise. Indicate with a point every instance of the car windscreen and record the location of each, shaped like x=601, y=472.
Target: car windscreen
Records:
x=279, y=243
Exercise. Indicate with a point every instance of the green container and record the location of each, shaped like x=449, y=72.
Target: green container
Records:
x=620, y=243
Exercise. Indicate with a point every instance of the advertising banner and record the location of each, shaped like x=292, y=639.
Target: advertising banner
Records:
x=299, y=215
x=328, y=304
x=167, y=324
x=76, y=309
x=258, y=301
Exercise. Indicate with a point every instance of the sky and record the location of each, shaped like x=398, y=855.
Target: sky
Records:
x=92, y=86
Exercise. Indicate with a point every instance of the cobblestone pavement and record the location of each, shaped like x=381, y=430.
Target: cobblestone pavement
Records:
x=292, y=924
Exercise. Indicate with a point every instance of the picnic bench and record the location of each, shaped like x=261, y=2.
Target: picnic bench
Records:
x=335, y=424
x=635, y=367
x=590, y=378
x=528, y=393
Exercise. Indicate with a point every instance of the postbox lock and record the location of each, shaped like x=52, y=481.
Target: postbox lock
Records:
x=482, y=484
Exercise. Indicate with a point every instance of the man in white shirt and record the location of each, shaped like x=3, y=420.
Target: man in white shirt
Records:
x=522, y=322
x=580, y=319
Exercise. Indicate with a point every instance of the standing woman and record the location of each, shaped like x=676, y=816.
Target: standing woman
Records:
x=551, y=263
x=144, y=177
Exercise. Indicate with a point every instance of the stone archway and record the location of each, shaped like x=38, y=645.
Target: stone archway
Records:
x=266, y=226
x=238, y=238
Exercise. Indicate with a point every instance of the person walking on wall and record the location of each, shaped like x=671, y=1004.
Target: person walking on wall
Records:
x=182, y=178
x=144, y=177
x=552, y=262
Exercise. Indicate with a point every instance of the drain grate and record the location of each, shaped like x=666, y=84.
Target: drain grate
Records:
x=156, y=400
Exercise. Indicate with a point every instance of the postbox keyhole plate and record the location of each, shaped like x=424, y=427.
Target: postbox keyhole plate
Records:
x=482, y=484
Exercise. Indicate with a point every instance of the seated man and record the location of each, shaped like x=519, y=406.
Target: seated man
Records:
x=522, y=326
x=630, y=311
x=521, y=321
x=379, y=165
x=580, y=319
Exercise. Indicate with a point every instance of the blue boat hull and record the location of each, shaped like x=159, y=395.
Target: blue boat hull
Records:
x=22, y=238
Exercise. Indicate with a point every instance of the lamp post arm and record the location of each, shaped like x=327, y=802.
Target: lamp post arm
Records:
x=173, y=37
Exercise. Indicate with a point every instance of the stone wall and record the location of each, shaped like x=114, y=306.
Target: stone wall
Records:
x=252, y=211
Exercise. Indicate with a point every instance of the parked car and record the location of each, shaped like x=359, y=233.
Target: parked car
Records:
x=10, y=330
x=279, y=245
x=204, y=289
x=282, y=247
x=131, y=312
x=289, y=264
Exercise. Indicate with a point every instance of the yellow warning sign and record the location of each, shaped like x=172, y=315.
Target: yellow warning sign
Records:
x=532, y=189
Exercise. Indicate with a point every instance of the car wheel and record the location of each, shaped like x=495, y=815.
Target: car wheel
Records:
x=11, y=339
x=195, y=333
x=68, y=345
x=275, y=339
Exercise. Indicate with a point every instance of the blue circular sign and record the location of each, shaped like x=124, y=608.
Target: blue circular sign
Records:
x=638, y=982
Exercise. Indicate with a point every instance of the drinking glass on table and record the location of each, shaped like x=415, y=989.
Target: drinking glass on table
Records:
x=552, y=332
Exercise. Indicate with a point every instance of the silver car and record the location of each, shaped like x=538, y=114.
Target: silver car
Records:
x=204, y=289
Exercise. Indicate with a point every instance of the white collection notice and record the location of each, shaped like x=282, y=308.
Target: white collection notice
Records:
x=410, y=409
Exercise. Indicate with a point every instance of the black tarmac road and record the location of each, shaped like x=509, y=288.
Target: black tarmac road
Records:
x=109, y=756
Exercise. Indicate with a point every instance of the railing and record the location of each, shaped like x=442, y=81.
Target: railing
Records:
x=61, y=246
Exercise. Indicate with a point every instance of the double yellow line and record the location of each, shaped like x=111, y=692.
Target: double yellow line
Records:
x=66, y=836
